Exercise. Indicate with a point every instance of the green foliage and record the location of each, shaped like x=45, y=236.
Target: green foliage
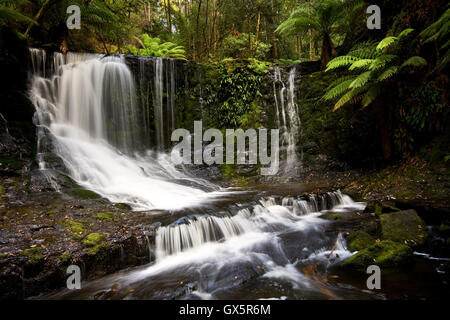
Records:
x=239, y=47
x=9, y=15
x=440, y=33
x=373, y=68
x=153, y=47
x=238, y=87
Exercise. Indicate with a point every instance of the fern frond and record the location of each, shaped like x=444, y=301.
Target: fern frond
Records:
x=337, y=90
x=361, y=80
x=382, y=61
x=388, y=73
x=386, y=43
x=405, y=33
x=350, y=97
x=414, y=61
x=370, y=95
x=342, y=61
x=361, y=64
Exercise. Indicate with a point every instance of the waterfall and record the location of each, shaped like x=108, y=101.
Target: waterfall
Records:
x=164, y=109
x=287, y=116
x=195, y=231
x=87, y=109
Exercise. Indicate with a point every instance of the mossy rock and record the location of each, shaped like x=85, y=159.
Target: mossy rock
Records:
x=65, y=258
x=83, y=194
x=404, y=227
x=34, y=255
x=95, y=243
x=331, y=216
x=359, y=240
x=385, y=253
x=11, y=163
x=76, y=228
x=107, y=216
x=122, y=206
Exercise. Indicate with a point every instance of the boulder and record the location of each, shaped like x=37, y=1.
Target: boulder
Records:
x=359, y=240
x=403, y=227
x=385, y=253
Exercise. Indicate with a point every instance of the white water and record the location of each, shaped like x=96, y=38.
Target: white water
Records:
x=267, y=216
x=212, y=247
x=88, y=108
x=288, y=118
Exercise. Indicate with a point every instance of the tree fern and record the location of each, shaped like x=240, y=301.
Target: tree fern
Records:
x=371, y=67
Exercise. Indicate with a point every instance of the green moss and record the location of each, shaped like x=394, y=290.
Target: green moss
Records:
x=331, y=216
x=95, y=243
x=359, y=240
x=34, y=255
x=444, y=228
x=122, y=206
x=65, y=257
x=228, y=171
x=108, y=216
x=50, y=213
x=10, y=163
x=2, y=256
x=404, y=227
x=84, y=194
x=76, y=228
x=378, y=209
x=383, y=254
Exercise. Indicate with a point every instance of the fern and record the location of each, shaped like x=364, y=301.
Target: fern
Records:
x=415, y=61
x=382, y=61
x=361, y=80
x=370, y=95
x=342, y=61
x=338, y=90
x=388, y=73
x=386, y=43
x=361, y=64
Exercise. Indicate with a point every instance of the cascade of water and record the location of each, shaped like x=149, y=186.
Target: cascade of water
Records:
x=192, y=232
x=288, y=119
x=88, y=109
x=158, y=102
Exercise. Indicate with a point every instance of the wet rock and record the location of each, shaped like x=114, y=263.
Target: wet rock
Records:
x=404, y=227
x=383, y=254
x=359, y=240
x=431, y=211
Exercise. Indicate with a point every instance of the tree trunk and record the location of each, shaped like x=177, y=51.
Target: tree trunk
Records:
x=385, y=121
x=327, y=51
